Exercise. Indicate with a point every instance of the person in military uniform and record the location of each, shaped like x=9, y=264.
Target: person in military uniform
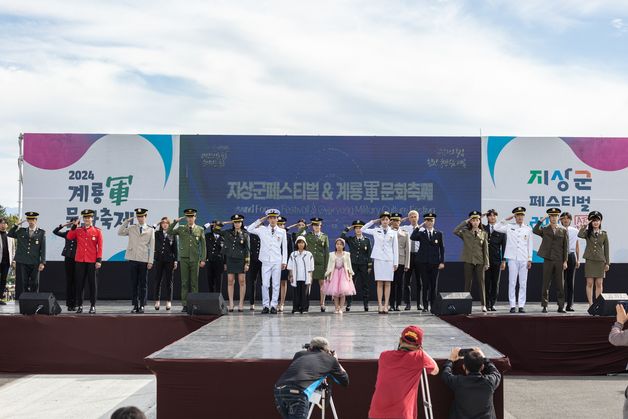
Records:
x=140, y=253
x=68, y=252
x=88, y=258
x=360, y=249
x=596, y=254
x=554, y=250
x=318, y=245
x=30, y=253
x=519, y=255
x=285, y=274
x=165, y=263
x=7, y=252
x=403, y=240
x=237, y=258
x=431, y=257
x=255, y=269
x=192, y=252
x=573, y=260
x=215, y=265
x=474, y=252
x=412, y=268
x=496, y=251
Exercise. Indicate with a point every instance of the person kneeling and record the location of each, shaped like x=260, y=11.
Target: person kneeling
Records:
x=473, y=392
x=306, y=373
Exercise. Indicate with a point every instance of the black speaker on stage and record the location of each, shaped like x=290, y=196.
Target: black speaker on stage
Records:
x=39, y=303
x=604, y=305
x=450, y=303
x=206, y=303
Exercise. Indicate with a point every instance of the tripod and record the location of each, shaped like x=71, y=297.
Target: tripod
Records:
x=319, y=397
x=427, y=398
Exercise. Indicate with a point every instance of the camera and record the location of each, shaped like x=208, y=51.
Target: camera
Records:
x=463, y=352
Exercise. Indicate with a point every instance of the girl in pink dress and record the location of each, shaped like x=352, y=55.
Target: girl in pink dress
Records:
x=339, y=276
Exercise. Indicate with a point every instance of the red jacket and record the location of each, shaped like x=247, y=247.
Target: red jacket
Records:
x=88, y=244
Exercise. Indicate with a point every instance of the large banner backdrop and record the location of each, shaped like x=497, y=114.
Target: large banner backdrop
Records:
x=577, y=175
x=112, y=174
x=336, y=178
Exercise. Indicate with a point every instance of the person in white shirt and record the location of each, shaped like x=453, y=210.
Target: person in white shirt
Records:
x=273, y=254
x=385, y=257
x=301, y=266
x=413, y=266
x=573, y=260
x=519, y=255
x=405, y=244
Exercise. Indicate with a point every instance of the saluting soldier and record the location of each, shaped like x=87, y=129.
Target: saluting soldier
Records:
x=255, y=269
x=68, y=252
x=360, y=248
x=431, y=257
x=496, y=251
x=88, y=258
x=30, y=253
x=573, y=260
x=140, y=253
x=403, y=240
x=554, y=250
x=285, y=274
x=474, y=252
x=318, y=245
x=237, y=258
x=7, y=251
x=192, y=252
x=519, y=256
x=596, y=254
x=412, y=268
x=215, y=265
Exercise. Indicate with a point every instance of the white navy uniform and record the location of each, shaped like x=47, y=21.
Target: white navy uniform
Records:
x=518, y=253
x=273, y=253
x=385, y=253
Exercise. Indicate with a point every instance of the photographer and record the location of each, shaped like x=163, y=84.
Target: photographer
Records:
x=308, y=370
x=398, y=376
x=619, y=337
x=473, y=392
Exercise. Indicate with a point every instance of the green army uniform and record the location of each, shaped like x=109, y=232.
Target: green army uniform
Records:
x=596, y=252
x=474, y=256
x=30, y=251
x=319, y=247
x=554, y=250
x=192, y=251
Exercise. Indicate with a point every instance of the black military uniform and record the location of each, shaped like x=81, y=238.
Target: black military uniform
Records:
x=165, y=256
x=30, y=252
x=215, y=257
x=496, y=250
x=255, y=268
x=360, y=249
x=236, y=247
x=431, y=253
x=69, y=251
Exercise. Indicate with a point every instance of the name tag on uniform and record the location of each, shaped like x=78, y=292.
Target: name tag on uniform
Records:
x=436, y=241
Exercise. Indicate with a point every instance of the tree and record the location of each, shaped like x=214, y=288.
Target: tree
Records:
x=11, y=219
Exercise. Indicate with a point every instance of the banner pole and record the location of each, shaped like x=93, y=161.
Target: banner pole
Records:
x=20, y=163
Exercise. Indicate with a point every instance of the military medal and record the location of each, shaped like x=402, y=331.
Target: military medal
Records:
x=36, y=241
x=436, y=241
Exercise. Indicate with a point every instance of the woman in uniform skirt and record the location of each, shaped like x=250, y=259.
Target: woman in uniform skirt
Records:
x=474, y=252
x=237, y=257
x=165, y=262
x=596, y=254
x=385, y=255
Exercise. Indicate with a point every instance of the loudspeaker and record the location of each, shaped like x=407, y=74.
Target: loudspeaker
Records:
x=39, y=303
x=604, y=305
x=449, y=303
x=206, y=303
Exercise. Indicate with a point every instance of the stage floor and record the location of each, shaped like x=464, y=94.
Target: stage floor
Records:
x=359, y=336
x=124, y=307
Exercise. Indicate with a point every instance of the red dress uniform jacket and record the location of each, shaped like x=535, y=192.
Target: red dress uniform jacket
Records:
x=88, y=244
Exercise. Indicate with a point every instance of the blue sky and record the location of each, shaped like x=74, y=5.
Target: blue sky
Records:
x=422, y=67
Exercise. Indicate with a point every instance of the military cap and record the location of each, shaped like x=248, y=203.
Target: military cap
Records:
x=429, y=216
x=273, y=212
x=237, y=217
x=595, y=215
x=87, y=213
x=357, y=223
x=302, y=220
x=519, y=210
x=475, y=214
x=316, y=220
x=31, y=215
x=384, y=214
x=492, y=212
x=395, y=216
x=190, y=212
x=281, y=220
x=216, y=225
x=141, y=212
x=553, y=211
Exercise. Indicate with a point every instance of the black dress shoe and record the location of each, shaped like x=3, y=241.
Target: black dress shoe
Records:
x=92, y=310
x=141, y=310
x=265, y=310
x=569, y=309
x=493, y=308
x=273, y=310
x=521, y=310
x=348, y=308
x=79, y=310
x=561, y=310
x=135, y=310
x=323, y=309
x=366, y=308
x=544, y=310
x=408, y=307
x=419, y=307
x=71, y=308
x=513, y=310
x=184, y=309
x=425, y=310
x=2, y=303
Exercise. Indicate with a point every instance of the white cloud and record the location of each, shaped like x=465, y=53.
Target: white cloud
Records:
x=284, y=67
